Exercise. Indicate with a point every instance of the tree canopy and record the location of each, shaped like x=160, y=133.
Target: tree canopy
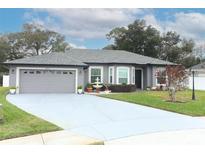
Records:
x=39, y=40
x=146, y=40
x=32, y=40
x=137, y=38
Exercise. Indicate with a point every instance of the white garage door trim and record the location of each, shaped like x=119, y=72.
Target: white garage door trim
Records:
x=43, y=68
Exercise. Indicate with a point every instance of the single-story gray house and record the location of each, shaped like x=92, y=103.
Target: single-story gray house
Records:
x=64, y=72
x=199, y=77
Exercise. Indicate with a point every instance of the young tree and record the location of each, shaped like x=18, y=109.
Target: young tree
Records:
x=176, y=76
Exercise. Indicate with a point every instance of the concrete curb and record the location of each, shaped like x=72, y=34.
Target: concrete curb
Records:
x=53, y=138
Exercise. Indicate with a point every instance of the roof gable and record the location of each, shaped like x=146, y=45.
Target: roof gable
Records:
x=199, y=66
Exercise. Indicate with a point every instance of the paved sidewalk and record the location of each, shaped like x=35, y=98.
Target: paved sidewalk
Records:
x=53, y=138
x=182, y=137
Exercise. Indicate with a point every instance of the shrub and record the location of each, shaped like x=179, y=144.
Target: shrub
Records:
x=80, y=87
x=1, y=79
x=122, y=88
x=1, y=114
x=89, y=85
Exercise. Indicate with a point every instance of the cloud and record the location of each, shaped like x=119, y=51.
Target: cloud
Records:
x=84, y=23
x=151, y=20
x=77, y=46
x=188, y=25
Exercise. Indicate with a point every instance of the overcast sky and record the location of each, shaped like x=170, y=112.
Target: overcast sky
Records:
x=86, y=28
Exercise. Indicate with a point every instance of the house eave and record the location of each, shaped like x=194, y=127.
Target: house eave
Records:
x=56, y=65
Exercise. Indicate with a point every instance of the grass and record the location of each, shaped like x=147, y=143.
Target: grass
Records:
x=17, y=123
x=158, y=99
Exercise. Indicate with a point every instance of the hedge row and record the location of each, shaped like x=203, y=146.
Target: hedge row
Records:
x=122, y=88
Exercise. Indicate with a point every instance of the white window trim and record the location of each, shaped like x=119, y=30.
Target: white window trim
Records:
x=128, y=68
x=43, y=68
x=157, y=84
x=142, y=76
x=160, y=84
x=133, y=75
x=89, y=74
x=113, y=74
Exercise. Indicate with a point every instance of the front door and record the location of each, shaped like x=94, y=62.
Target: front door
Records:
x=138, y=79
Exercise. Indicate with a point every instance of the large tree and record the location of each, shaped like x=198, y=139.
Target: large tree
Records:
x=39, y=40
x=32, y=40
x=12, y=46
x=146, y=40
x=3, y=54
x=177, y=50
x=137, y=38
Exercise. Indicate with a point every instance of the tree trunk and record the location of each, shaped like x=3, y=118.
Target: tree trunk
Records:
x=172, y=94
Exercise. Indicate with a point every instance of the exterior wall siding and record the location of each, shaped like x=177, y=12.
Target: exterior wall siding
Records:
x=12, y=76
x=150, y=75
x=149, y=78
x=154, y=80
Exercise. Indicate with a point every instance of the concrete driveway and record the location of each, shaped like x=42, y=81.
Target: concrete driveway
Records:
x=102, y=118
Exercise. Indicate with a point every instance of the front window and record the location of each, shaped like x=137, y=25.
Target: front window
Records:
x=123, y=75
x=111, y=75
x=95, y=72
x=161, y=77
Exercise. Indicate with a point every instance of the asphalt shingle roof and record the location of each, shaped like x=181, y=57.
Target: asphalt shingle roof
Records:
x=199, y=66
x=81, y=57
x=49, y=59
x=113, y=56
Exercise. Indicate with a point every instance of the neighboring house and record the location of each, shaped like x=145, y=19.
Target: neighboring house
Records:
x=199, y=77
x=63, y=72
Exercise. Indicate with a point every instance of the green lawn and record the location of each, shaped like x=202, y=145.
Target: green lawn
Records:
x=158, y=99
x=19, y=123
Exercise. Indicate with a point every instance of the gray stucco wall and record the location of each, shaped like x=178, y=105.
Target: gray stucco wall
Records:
x=150, y=75
x=155, y=68
x=149, y=78
x=12, y=76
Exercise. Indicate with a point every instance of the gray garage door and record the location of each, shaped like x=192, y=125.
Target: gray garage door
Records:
x=47, y=81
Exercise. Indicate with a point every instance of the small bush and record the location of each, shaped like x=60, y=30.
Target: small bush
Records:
x=1, y=80
x=89, y=85
x=122, y=88
x=1, y=114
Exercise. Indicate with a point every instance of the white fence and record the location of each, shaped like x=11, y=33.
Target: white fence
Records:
x=5, y=81
x=199, y=82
